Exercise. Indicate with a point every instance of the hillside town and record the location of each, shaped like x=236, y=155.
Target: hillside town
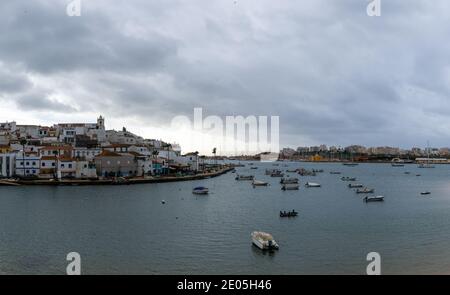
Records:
x=88, y=151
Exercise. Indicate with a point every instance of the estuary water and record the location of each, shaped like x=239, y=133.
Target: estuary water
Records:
x=128, y=230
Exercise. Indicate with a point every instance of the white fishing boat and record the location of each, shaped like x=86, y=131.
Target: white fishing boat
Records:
x=259, y=183
x=374, y=199
x=289, y=180
x=312, y=184
x=290, y=187
x=365, y=191
x=264, y=241
x=200, y=190
x=244, y=177
x=425, y=193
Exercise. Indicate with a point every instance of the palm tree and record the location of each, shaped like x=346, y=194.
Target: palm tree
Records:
x=196, y=161
x=214, y=151
x=168, y=145
x=155, y=154
x=23, y=142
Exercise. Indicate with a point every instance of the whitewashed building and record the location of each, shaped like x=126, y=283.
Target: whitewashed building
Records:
x=7, y=165
x=28, y=164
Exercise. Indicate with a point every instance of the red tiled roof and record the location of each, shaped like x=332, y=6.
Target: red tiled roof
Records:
x=106, y=153
x=48, y=158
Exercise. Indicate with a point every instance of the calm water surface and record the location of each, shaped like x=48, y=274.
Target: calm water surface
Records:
x=127, y=230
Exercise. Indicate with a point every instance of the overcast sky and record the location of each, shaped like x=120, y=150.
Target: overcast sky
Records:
x=333, y=74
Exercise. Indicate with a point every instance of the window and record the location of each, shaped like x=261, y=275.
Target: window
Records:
x=28, y=163
x=43, y=164
x=62, y=165
x=53, y=164
x=34, y=163
x=70, y=165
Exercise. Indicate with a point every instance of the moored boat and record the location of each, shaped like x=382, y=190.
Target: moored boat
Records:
x=264, y=241
x=365, y=191
x=288, y=180
x=290, y=187
x=244, y=177
x=374, y=199
x=335, y=172
x=200, y=190
x=425, y=193
x=351, y=164
x=259, y=183
x=312, y=184
x=292, y=213
x=346, y=178
x=277, y=174
x=356, y=185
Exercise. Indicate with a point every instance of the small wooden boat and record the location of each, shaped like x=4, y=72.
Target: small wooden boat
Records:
x=356, y=185
x=292, y=213
x=365, y=191
x=374, y=199
x=253, y=167
x=425, y=193
x=350, y=164
x=312, y=184
x=335, y=172
x=200, y=190
x=290, y=187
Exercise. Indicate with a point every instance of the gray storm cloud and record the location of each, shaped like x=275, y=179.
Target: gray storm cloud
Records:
x=333, y=74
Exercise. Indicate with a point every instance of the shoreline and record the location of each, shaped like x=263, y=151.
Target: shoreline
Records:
x=131, y=181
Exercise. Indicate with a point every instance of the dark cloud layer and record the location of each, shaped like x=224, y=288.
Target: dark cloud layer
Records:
x=332, y=74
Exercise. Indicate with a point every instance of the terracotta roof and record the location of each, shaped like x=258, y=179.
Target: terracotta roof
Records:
x=136, y=154
x=66, y=159
x=106, y=153
x=48, y=158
